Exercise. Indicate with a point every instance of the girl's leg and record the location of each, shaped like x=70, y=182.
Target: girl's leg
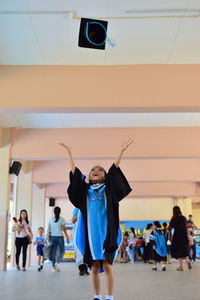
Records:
x=61, y=245
x=53, y=250
x=95, y=277
x=18, y=245
x=109, y=277
x=25, y=246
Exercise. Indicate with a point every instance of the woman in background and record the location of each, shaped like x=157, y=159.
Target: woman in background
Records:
x=56, y=227
x=180, y=242
x=23, y=236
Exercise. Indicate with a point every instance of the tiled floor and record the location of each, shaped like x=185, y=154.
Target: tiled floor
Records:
x=132, y=282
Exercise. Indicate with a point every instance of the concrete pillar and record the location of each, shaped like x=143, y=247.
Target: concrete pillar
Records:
x=4, y=194
x=38, y=214
x=24, y=196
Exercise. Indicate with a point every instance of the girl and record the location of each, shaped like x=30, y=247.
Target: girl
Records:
x=98, y=201
x=22, y=229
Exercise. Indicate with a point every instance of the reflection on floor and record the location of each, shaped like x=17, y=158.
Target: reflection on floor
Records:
x=132, y=282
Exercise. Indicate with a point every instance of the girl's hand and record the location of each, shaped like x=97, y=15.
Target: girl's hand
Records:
x=67, y=147
x=126, y=144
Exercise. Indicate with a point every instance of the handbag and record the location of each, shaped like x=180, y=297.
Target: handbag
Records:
x=29, y=239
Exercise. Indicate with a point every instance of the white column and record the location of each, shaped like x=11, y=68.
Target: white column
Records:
x=38, y=215
x=24, y=195
x=4, y=194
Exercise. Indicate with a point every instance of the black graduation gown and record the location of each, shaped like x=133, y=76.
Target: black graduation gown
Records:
x=117, y=187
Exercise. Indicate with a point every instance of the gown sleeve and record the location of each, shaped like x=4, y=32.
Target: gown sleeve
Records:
x=117, y=183
x=76, y=188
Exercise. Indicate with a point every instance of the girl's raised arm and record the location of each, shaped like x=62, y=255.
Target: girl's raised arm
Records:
x=125, y=145
x=71, y=161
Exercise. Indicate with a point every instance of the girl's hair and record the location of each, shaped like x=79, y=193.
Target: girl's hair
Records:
x=149, y=226
x=97, y=167
x=57, y=211
x=133, y=231
x=157, y=224
x=165, y=225
x=26, y=219
x=176, y=211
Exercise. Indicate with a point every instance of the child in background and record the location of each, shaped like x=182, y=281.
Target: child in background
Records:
x=83, y=269
x=123, y=247
x=159, y=246
x=40, y=242
x=131, y=246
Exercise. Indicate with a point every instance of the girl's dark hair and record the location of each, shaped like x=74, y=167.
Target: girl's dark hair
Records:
x=165, y=225
x=149, y=226
x=133, y=231
x=57, y=211
x=157, y=224
x=176, y=211
x=26, y=219
x=97, y=167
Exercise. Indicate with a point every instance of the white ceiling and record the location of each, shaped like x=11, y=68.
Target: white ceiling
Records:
x=97, y=120
x=51, y=39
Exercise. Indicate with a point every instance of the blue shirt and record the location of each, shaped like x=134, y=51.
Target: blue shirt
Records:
x=38, y=238
x=56, y=227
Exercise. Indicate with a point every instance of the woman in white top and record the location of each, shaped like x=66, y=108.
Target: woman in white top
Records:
x=56, y=227
x=22, y=229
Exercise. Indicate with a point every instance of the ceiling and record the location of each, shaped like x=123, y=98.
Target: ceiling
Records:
x=34, y=32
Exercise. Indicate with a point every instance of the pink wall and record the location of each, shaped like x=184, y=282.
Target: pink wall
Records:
x=105, y=142
x=133, y=88
x=136, y=170
x=140, y=189
x=162, y=161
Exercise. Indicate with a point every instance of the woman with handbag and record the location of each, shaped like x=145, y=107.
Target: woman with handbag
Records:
x=24, y=237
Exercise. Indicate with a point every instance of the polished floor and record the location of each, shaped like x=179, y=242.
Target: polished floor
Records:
x=132, y=282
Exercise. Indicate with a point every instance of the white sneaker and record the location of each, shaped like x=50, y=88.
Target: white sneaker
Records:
x=54, y=269
x=57, y=267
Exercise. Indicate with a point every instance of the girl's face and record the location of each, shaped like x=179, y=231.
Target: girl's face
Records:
x=97, y=175
x=23, y=215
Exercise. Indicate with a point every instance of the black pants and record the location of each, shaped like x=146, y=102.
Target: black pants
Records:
x=21, y=243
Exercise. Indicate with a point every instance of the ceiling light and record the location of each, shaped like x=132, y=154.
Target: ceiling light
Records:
x=164, y=13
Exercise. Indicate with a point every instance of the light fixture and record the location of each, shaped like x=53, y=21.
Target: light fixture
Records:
x=164, y=13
